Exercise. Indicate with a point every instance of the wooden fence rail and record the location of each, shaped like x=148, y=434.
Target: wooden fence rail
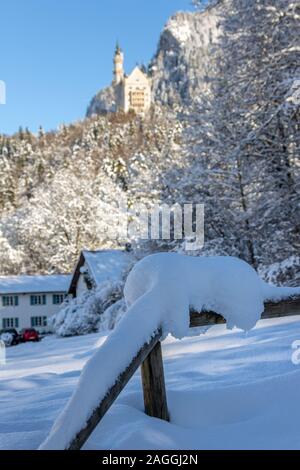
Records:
x=150, y=359
x=113, y=393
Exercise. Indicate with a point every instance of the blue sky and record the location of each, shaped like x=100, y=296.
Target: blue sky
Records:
x=56, y=54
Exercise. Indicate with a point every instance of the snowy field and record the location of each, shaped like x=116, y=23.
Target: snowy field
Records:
x=226, y=390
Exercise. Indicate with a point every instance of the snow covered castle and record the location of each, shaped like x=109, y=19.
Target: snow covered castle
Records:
x=133, y=92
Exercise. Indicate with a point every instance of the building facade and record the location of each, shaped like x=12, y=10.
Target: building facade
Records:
x=29, y=301
x=133, y=92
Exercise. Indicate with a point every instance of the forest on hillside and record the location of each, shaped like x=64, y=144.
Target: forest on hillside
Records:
x=234, y=146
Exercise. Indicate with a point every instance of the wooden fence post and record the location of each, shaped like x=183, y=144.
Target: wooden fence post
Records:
x=153, y=380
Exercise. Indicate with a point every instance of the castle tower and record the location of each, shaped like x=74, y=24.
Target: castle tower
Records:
x=118, y=65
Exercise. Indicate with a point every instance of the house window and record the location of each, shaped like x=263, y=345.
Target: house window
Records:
x=10, y=300
x=58, y=299
x=10, y=323
x=38, y=321
x=38, y=299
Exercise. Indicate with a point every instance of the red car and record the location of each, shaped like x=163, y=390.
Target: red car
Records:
x=29, y=334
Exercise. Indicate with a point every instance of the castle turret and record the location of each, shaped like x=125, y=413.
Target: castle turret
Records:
x=118, y=65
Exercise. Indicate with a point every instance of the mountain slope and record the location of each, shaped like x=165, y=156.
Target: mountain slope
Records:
x=181, y=64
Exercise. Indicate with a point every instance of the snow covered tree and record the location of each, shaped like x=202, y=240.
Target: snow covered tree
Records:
x=246, y=131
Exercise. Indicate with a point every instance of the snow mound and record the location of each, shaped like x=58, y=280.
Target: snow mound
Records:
x=159, y=292
x=225, y=285
x=222, y=284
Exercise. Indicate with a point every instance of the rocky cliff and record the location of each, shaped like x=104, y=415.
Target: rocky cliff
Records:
x=181, y=65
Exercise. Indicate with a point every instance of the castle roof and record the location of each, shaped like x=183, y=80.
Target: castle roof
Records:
x=137, y=72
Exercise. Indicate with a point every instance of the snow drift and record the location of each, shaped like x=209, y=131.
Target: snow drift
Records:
x=159, y=291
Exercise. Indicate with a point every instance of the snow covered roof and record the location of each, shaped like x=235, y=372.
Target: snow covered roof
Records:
x=103, y=265
x=32, y=284
x=107, y=265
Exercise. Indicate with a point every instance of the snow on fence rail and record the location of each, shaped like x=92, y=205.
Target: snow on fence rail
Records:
x=281, y=308
x=157, y=285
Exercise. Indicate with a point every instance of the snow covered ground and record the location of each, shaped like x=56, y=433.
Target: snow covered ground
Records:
x=226, y=389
